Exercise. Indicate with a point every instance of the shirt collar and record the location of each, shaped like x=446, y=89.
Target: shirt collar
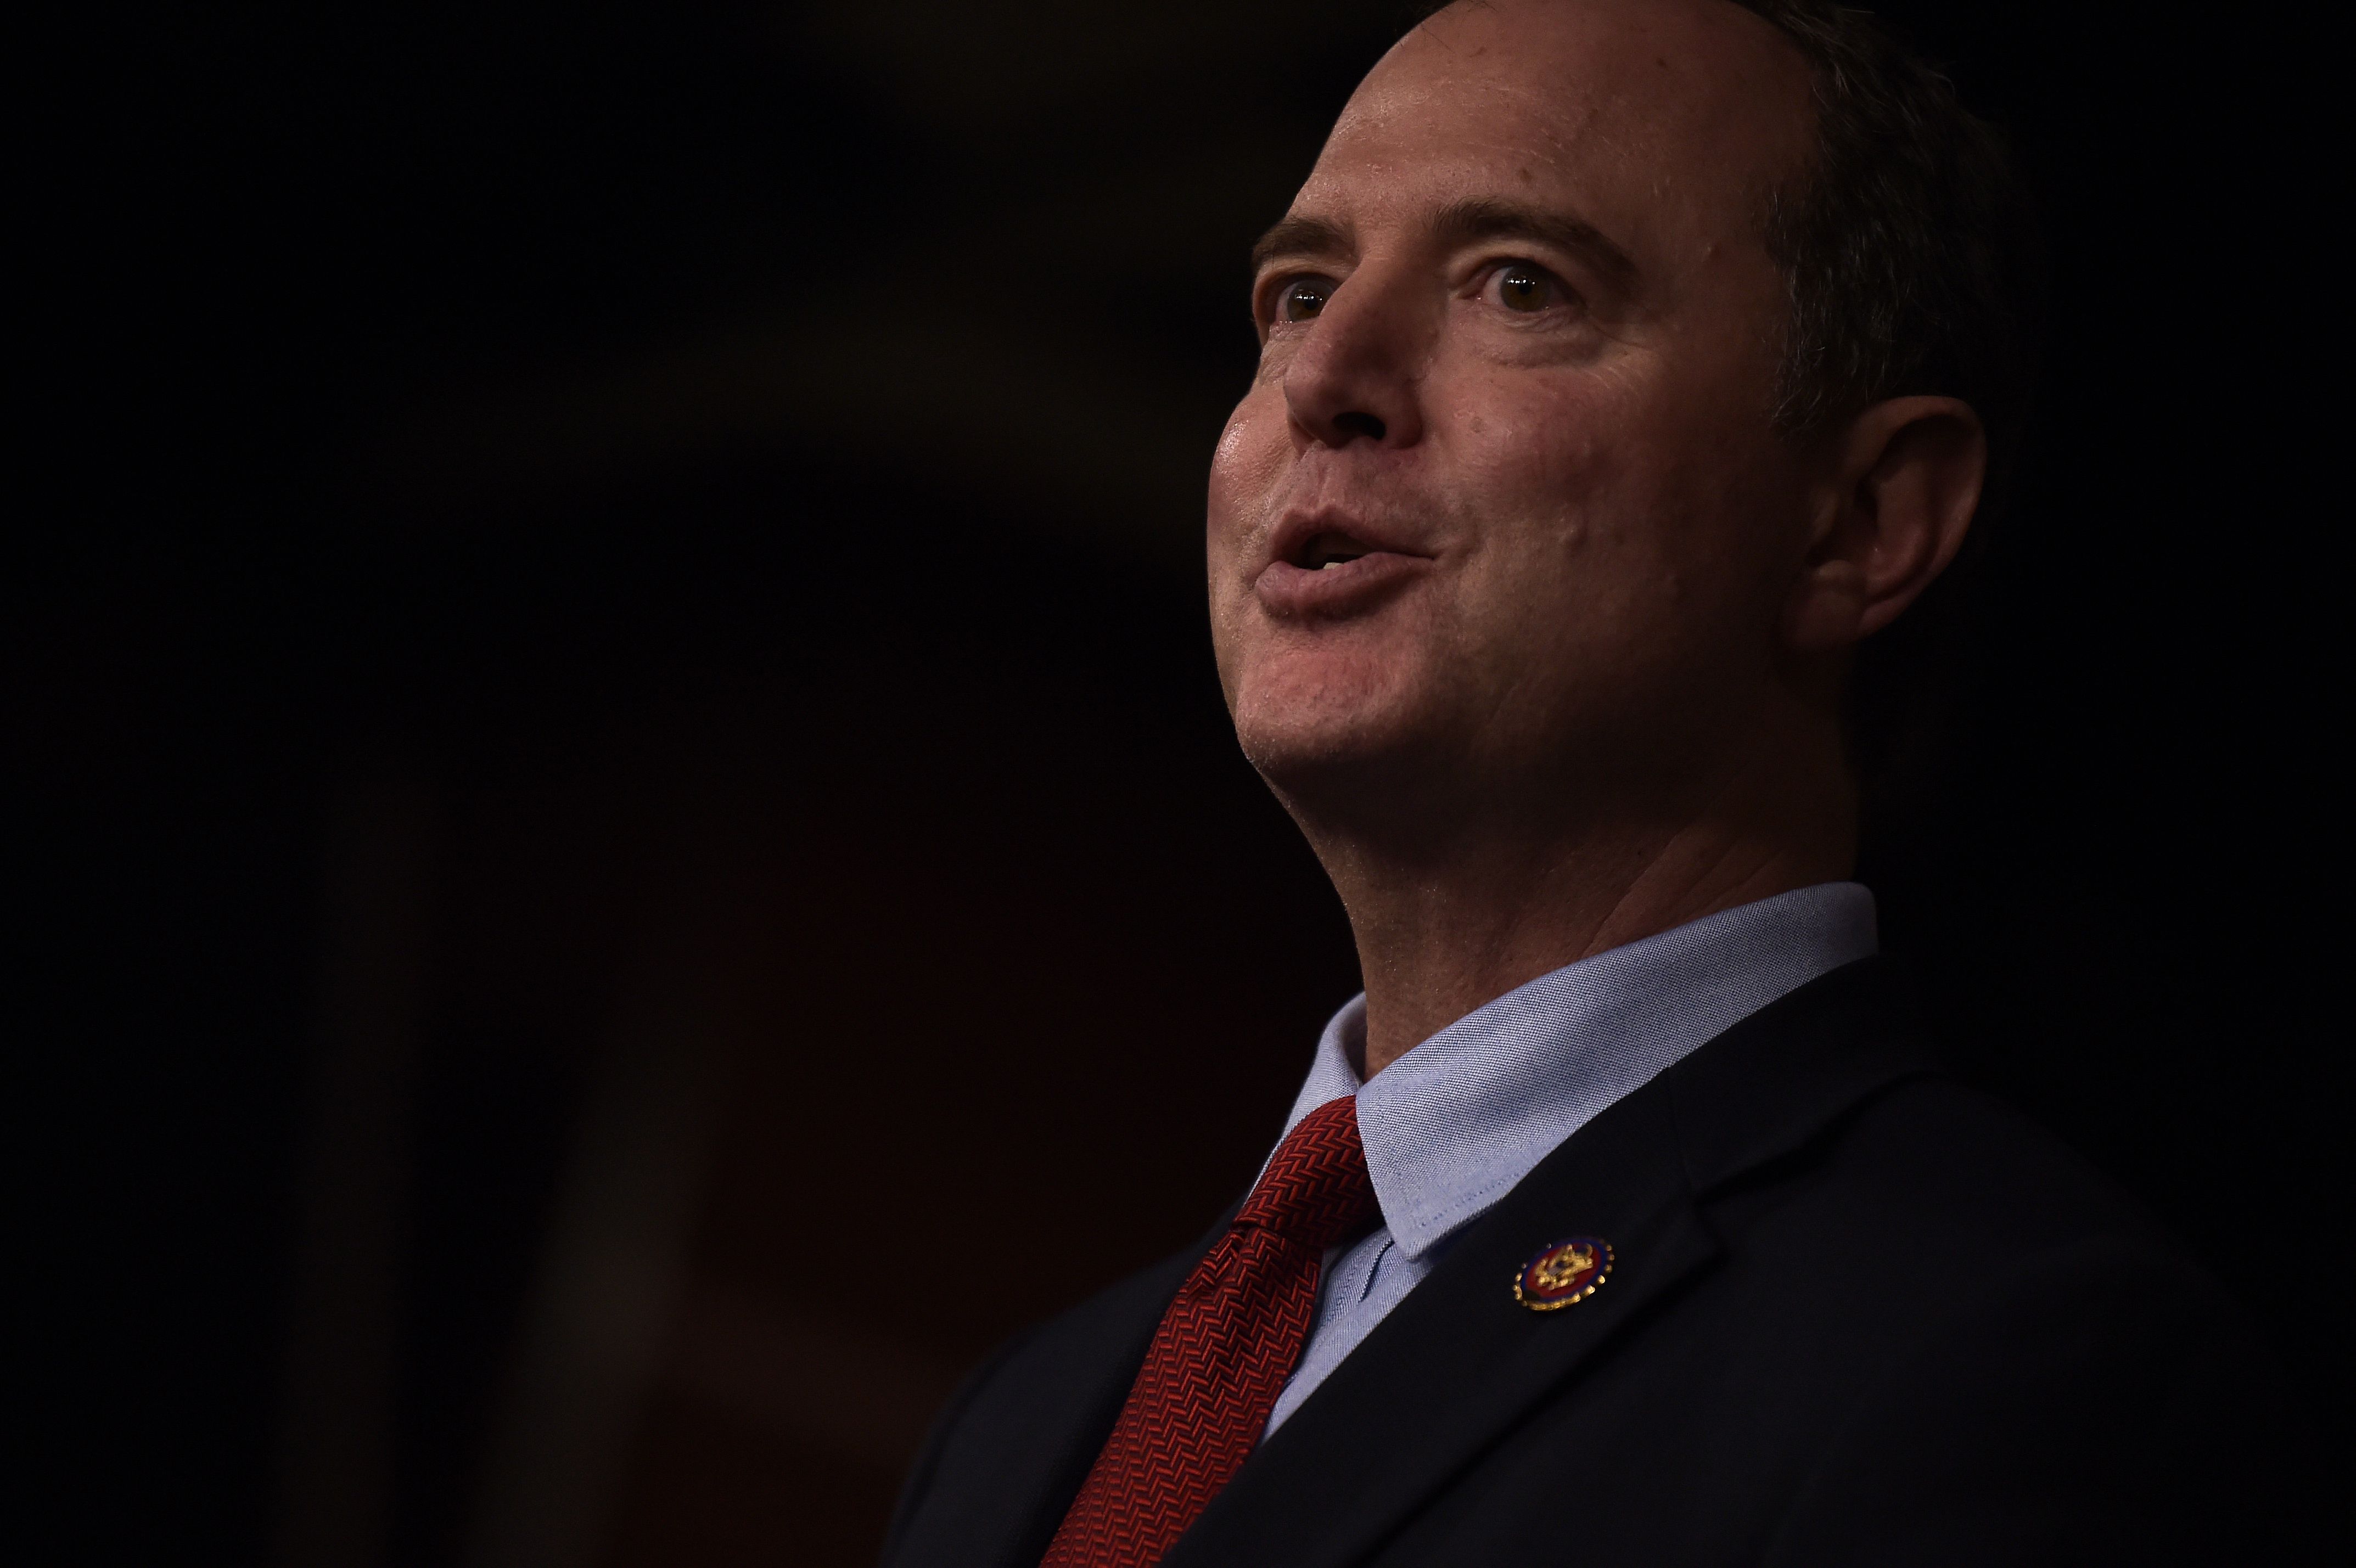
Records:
x=1454, y=1125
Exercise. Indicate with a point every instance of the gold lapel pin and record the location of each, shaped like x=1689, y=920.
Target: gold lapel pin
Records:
x=1564, y=1272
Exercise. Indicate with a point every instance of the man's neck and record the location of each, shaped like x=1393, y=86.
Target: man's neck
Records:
x=1440, y=934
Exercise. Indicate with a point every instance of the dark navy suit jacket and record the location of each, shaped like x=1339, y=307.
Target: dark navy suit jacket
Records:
x=1860, y=1314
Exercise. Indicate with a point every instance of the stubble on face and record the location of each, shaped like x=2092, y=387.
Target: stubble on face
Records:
x=1576, y=515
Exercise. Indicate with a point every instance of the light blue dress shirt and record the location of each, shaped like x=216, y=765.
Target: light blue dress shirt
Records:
x=1454, y=1125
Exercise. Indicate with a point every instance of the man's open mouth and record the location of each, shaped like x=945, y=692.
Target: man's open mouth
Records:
x=1330, y=549
x=1333, y=571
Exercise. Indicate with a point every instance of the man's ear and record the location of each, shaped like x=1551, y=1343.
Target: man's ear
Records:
x=1897, y=502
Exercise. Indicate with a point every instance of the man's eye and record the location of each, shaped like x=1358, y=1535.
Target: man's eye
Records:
x=1302, y=298
x=1523, y=286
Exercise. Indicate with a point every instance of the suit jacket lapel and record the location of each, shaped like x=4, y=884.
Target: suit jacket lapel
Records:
x=1040, y=1482
x=1460, y=1362
x=1045, y=1425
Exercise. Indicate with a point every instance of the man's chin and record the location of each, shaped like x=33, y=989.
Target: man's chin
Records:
x=1332, y=720
x=1324, y=756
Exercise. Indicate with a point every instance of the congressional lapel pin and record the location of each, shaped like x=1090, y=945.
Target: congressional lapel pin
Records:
x=1564, y=1272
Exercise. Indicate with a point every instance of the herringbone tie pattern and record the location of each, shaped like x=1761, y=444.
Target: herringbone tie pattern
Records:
x=1222, y=1354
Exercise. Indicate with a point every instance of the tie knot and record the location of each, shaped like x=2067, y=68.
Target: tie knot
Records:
x=1316, y=1188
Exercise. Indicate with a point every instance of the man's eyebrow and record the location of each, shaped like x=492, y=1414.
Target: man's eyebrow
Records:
x=1300, y=237
x=1461, y=223
x=1484, y=217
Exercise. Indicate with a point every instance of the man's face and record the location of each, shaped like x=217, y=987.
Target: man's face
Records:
x=1504, y=507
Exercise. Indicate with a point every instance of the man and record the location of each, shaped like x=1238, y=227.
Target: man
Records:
x=1626, y=364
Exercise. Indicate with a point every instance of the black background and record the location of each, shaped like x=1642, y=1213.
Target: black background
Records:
x=701, y=500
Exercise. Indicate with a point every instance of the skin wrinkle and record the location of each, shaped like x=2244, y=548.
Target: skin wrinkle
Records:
x=1597, y=695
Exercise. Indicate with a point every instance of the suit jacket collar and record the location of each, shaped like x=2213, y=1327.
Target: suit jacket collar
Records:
x=1468, y=1362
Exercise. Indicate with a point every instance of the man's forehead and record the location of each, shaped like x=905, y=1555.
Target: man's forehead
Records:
x=1531, y=97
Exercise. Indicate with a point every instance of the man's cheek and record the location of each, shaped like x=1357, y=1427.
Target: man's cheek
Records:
x=1252, y=457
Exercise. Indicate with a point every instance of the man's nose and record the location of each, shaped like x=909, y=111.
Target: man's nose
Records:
x=1356, y=375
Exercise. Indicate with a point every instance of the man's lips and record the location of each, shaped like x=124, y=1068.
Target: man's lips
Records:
x=1330, y=565
x=1335, y=589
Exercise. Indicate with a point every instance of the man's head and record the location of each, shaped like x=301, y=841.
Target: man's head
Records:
x=1547, y=369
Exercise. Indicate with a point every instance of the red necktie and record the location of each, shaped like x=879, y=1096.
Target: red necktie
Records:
x=1222, y=1352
